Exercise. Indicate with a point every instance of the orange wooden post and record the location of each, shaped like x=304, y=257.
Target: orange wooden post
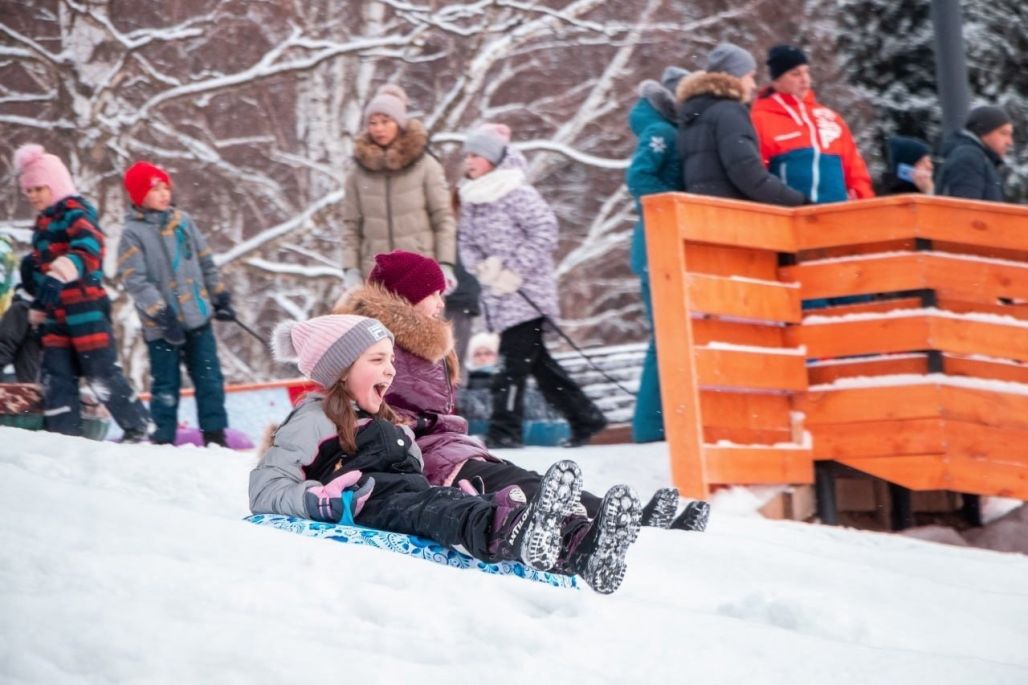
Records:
x=676, y=360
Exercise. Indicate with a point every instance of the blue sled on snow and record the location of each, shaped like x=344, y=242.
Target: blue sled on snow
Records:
x=408, y=545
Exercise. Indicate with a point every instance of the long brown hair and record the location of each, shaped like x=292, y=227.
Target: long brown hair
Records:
x=338, y=407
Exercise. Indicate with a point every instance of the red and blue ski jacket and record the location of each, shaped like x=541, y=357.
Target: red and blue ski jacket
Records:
x=810, y=147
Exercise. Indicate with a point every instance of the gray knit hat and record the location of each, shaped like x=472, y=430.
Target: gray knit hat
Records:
x=730, y=59
x=325, y=346
x=391, y=101
x=671, y=76
x=488, y=141
x=986, y=119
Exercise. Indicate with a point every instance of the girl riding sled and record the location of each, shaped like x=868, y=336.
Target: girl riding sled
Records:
x=342, y=456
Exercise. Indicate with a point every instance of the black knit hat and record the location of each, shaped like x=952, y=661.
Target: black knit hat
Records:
x=983, y=120
x=904, y=150
x=782, y=58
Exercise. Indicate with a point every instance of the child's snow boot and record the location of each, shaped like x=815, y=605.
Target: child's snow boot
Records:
x=660, y=510
x=531, y=531
x=597, y=552
x=694, y=517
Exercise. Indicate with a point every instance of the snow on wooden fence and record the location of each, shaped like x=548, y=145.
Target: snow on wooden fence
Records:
x=909, y=361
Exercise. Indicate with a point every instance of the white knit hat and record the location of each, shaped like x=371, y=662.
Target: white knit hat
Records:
x=391, y=101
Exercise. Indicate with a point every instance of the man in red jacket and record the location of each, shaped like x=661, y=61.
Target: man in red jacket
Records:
x=803, y=142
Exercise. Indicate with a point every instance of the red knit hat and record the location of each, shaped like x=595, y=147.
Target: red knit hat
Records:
x=408, y=275
x=141, y=177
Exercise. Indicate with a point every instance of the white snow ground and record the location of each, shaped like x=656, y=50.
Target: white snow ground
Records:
x=130, y=564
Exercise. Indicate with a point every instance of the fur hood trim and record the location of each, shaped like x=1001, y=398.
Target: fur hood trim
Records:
x=717, y=84
x=410, y=145
x=422, y=336
x=659, y=97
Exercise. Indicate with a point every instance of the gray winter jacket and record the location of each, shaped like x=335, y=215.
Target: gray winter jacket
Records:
x=970, y=169
x=718, y=145
x=279, y=481
x=164, y=260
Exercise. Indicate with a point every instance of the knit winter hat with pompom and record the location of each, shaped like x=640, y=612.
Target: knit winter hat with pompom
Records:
x=325, y=346
x=36, y=167
x=408, y=274
x=488, y=141
x=391, y=101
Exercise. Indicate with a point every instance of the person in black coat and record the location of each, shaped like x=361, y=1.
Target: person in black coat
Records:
x=910, y=167
x=19, y=340
x=716, y=140
x=973, y=156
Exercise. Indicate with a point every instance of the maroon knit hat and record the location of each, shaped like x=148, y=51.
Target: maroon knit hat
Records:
x=408, y=275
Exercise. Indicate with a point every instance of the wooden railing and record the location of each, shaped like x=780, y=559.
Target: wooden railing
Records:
x=919, y=376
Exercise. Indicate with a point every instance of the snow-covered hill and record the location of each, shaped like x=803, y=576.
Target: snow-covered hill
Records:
x=131, y=564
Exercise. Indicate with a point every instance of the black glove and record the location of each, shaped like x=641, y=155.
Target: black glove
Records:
x=174, y=334
x=49, y=294
x=28, y=270
x=223, y=307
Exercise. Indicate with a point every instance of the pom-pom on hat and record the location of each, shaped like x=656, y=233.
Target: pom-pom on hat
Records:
x=488, y=141
x=730, y=59
x=783, y=58
x=391, y=101
x=140, y=178
x=408, y=274
x=325, y=346
x=36, y=168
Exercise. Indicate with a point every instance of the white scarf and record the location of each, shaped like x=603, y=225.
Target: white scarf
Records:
x=491, y=186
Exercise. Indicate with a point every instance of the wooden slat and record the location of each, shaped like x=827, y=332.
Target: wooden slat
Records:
x=741, y=435
x=706, y=330
x=871, y=404
x=871, y=366
x=862, y=337
x=985, y=407
x=967, y=303
x=984, y=368
x=899, y=245
x=721, y=368
x=873, y=306
x=751, y=410
x=878, y=438
x=888, y=273
x=723, y=260
x=763, y=301
x=979, y=337
x=732, y=222
x=757, y=465
x=986, y=224
x=943, y=472
x=854, y=223
x=675, y=359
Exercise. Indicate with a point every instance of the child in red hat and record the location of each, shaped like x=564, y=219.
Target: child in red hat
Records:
x=169, y=271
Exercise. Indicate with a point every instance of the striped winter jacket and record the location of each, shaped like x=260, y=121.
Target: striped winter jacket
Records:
x=809, y=147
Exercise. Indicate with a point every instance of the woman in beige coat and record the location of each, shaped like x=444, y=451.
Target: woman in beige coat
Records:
x=396, y=194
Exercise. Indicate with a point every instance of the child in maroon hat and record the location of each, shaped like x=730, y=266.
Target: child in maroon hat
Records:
x=169, y=271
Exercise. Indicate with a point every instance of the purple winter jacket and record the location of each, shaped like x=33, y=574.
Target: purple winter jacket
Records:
x=422, y=391
x=502, y=216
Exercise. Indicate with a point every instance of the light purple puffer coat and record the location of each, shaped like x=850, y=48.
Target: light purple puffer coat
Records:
x=502, y=216
x=422, y=391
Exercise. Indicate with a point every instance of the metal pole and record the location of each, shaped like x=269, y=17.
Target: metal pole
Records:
x=950, y=64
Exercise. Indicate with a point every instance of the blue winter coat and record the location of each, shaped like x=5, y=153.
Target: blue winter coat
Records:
x=656, y=166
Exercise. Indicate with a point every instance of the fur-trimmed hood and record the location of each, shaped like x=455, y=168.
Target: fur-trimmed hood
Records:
x=421, y=335
x=716, y=84
x=654, y=101
x=410, y=145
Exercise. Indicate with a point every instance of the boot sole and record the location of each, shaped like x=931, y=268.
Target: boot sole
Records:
x=559, y=491
x=666, y=508
x=618, y=522
x=694, y=518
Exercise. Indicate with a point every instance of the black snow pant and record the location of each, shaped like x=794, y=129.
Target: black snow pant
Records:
x=496, y=475
x=523, y=352
x=402, y=500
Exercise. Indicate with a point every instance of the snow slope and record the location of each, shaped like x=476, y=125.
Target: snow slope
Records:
x=131, y=564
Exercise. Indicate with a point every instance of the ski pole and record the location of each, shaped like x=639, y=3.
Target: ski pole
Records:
x=251, y=332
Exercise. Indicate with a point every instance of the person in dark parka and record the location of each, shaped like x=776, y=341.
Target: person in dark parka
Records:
x=716, y=140
x=972, y=156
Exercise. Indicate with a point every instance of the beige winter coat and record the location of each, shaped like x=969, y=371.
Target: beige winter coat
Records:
x=397, y=198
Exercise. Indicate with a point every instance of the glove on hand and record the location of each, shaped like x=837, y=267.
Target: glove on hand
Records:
x=450, y=277
x=223, y=310
x=174, y=334
x=506, y=283
x=325, y=502
x=49, y=292
x=352, y=278
x=488, y=270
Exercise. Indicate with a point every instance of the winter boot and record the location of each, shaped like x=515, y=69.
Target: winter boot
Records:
x=214, y=438
x=530, y=531
x=137, y=436
x=694, y=517
x=660, y=510
x=585, y=427
x=597, y=553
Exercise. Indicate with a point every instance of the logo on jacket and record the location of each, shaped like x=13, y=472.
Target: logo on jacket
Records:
x=828, y=128
x=658, y=144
